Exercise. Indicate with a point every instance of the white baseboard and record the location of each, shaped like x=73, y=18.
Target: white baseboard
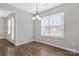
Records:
x=73, y=50
x=2, y=37
x=21, y=43
x=58, y=46
x=10, y=40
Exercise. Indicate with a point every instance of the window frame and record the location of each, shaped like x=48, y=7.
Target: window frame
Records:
x=56, y=37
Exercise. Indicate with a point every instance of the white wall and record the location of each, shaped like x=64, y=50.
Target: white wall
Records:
x=71, y=39
x=23, y=24
x=2, y=28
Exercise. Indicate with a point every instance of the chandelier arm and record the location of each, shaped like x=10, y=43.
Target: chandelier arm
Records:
x=36, y=15
x=36, y=8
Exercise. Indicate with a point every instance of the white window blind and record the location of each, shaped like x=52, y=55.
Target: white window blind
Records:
x=9, y=26
x=53, y=25
x=12, y=32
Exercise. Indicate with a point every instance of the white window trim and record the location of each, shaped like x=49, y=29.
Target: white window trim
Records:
x=57, y=37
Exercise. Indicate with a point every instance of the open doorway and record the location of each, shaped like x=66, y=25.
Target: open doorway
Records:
x=11, y=27
x=7, y=26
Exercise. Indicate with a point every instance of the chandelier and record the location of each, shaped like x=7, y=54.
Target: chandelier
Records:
x=36, y=16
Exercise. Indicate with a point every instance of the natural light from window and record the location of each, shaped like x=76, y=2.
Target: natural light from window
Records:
x=53, y=25
x=11, y=28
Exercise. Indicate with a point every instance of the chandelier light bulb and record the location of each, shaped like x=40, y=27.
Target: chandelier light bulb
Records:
x=38, y=17
x=33, y=18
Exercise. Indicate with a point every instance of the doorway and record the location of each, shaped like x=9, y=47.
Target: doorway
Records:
x=11, y=27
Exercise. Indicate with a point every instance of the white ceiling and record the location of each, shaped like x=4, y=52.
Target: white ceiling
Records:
x=4, y=13
x=31, y=7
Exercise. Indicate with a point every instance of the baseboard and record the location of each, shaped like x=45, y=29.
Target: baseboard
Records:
x=21, y=43
x=10, y=40
x=72, y=50
x=2, y=37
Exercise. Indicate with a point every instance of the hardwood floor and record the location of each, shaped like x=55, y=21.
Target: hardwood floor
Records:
x=32, y=49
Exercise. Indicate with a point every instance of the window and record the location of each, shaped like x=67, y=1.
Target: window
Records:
x=53, y=25
x=9, y=25
x=12, y=32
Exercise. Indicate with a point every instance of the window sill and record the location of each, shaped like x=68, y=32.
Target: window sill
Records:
x=51, y=37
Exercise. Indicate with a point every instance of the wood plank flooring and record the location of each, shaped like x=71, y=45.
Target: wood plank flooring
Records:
x=32, y=49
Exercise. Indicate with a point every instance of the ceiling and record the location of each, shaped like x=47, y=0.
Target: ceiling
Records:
x=4, y=13
x=31, y=7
